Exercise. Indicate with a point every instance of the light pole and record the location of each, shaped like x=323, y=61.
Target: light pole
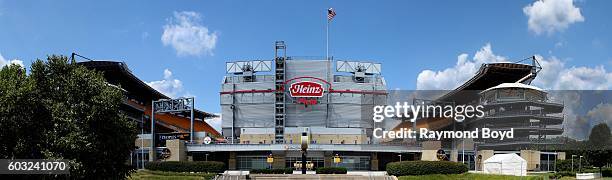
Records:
x=400, y=157
x=142, y=155
x=573, y=162
x=206, y=156
x=580, y=164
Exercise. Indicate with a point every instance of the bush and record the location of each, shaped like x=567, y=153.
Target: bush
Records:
x=566, y=165
x=331, y=170
x=561, y=174
x=272, y=171
x=407, y=168
x=190, y=166
x=605, y=172
x=146, y=174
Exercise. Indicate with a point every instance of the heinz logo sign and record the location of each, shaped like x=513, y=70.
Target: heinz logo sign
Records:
x=306, y=89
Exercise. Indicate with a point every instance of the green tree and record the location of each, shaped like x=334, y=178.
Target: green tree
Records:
x=600, y=136
x=599, y=153
x=62, y=110
x=23, y=119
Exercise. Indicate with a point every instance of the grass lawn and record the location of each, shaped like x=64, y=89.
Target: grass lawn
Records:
x=471, y=176
x=146, y=174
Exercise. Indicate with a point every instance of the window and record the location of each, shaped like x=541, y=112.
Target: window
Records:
x=251, y=162
x=355, y=162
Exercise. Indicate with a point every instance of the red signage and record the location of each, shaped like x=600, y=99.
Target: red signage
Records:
x=307, y=101
x=306, y=89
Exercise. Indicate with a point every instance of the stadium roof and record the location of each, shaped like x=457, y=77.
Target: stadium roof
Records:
x=489, y=75
x=118, y=73
x=513, y=85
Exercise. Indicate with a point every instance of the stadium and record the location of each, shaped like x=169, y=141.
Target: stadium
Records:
x=268, y=105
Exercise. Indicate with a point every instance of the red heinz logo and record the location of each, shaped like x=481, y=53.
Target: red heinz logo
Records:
x=306, y=89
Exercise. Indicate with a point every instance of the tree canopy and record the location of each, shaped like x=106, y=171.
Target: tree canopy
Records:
x=62, y=110
x=600, y=152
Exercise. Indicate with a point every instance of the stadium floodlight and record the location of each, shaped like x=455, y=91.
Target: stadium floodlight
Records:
x=356, y=66
x=239, y=67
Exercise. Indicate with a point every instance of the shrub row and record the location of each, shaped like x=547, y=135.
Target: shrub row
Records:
x=331, y=170
x=188, y=166
x=606, y=172
x=407, y=168
x=272, y=171
x=560, y=174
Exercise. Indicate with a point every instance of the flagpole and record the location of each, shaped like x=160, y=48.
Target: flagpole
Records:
x=327, y=40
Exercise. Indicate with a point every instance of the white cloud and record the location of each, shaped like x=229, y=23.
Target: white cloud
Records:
x=451, y=78
x=556, y=76
x=601, y=114
x=4, y=62
x=579, y=126
x=215, y=122
x=548, y=16
x=169, y=85
x=187, y=36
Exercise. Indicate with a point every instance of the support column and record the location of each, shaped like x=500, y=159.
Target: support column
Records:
x=231, y=162
x=178, y=150
x=533, y=159
x=374, y=163
x=481, y=156
x=430, y=150
x=279, y=159
x=328, y=159
x=561, y=156
x=454, y=157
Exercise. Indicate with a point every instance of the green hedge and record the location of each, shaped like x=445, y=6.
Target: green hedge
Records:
x=560, y=174
x=407, y=168
x=189, y=166
x=605, y=172
x=566, y=165
x=272, y=171
x=331, y=170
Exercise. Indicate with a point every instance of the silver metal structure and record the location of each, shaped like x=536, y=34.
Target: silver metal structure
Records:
x=355, y=66
x=239, y=67
x=280, y=55
x=170, y=106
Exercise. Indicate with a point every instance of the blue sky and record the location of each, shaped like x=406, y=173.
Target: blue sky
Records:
x=421, y=44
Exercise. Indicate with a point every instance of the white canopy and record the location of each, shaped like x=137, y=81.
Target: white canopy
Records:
x=506, y=164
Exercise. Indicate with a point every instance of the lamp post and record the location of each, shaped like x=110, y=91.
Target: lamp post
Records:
x=573, y=155
x=400, y=157
x=580, y=164
x=305, y=140
x=207, y=156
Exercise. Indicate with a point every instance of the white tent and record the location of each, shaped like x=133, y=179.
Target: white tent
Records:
x=506, y=164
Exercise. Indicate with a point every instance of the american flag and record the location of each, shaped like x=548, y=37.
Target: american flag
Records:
x=330, y=14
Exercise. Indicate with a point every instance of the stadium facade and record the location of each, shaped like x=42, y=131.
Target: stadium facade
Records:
x=268, y=105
